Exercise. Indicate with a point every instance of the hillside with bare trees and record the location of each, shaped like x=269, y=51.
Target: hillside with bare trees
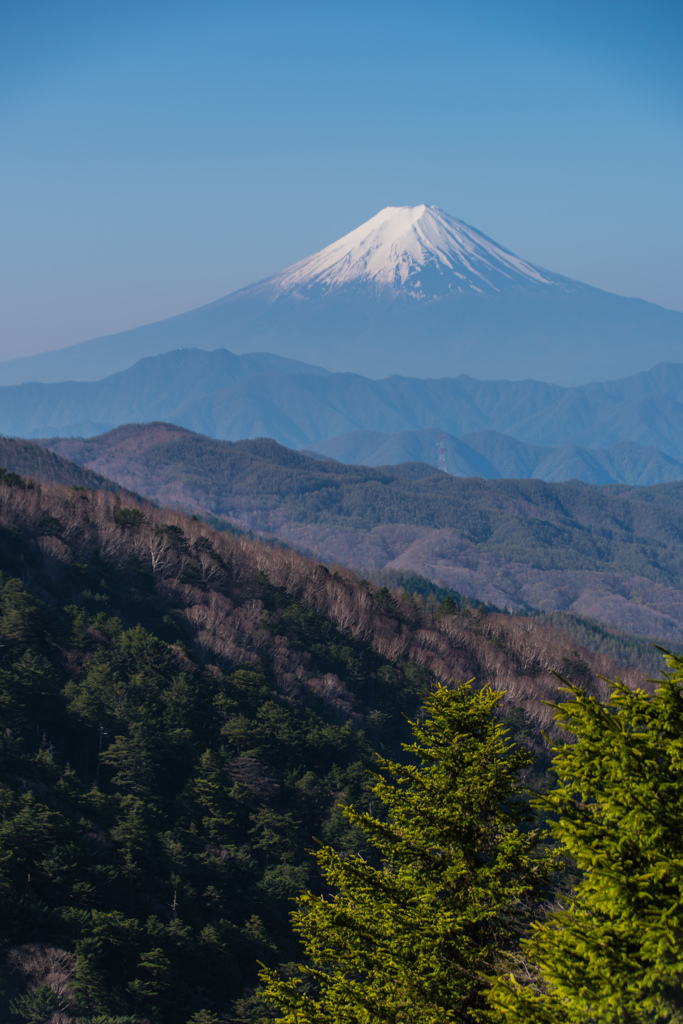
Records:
x=223, y=583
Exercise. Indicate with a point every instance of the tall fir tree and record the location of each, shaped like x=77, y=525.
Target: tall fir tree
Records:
x=614, y=954
x=414, y=936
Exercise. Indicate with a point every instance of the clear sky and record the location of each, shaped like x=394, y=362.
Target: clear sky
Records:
x=156, y=156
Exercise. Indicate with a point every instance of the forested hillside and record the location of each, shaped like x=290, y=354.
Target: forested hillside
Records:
x=614, y=554
x=182, y=711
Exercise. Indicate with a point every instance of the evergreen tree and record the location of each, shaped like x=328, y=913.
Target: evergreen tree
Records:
x=413, y=937
x=614, y=955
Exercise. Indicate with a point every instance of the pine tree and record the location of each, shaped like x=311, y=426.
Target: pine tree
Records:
x=413, y=937
x=614, y=954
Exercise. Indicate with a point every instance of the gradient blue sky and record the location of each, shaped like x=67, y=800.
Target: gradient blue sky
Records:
x=159, y=155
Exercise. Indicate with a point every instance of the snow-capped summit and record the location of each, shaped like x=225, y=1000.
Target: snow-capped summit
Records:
x=412, y=250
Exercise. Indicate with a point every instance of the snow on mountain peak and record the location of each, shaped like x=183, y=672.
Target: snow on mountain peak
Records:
x=412, y=250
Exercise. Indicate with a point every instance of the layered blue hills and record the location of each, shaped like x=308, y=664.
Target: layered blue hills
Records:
x=623, y=431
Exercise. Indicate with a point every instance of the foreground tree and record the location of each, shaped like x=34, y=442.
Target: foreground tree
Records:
x=614, y=955
x=414, y=938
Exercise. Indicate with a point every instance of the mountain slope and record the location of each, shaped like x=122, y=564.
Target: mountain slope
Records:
x=614, y=554
x=182, y=713
x=412, y=291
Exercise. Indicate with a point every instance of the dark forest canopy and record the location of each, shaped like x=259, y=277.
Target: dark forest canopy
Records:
x=182, y=713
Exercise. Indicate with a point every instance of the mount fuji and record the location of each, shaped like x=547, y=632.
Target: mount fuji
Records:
x=413, y=291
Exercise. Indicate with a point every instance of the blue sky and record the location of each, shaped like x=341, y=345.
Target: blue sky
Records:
x=159, y=155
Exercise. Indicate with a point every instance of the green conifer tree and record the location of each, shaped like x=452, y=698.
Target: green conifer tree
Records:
x=413, y=938
x=614, y=954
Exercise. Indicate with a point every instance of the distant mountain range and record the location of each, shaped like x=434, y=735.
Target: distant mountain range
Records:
x=412, y=291
x=614, y=554
x=495, y=456
x=628, y=430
